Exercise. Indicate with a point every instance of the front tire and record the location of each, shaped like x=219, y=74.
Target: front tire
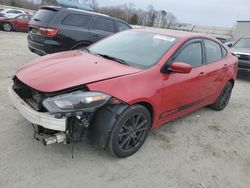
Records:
x=7, y=27
x=224, y=97
x=130, y=131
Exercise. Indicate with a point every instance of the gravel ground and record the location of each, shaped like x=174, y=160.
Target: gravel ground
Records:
x=205, y=149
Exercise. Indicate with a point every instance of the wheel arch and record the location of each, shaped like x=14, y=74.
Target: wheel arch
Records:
x=9, y=22
x=149, y=107
x=81, y=43
x=232, y=81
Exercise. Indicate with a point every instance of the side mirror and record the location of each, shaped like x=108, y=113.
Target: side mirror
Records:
x=180, y=67
x=230, y=45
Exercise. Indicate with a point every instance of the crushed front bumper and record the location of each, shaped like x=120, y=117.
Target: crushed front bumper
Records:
x=43, y=119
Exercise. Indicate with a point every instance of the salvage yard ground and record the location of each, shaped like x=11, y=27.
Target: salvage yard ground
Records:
x=205, y=149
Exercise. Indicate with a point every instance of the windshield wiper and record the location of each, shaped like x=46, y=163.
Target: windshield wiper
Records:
x=114, y=59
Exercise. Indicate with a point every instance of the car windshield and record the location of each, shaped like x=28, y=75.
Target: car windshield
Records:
x=242, y=43
x=134, y=48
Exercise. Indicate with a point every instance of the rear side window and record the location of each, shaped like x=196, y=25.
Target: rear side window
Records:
x=122, y=26
x=44, y=15
x=192, y=55
x=76, y=20
x=104, y=25
x=213, y=51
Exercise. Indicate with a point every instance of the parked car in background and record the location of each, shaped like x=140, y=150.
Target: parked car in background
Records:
x=55, y=29
x=2, y=15
x=242, y=49
x=18, y=23
x=117, y=89
x=11, y=13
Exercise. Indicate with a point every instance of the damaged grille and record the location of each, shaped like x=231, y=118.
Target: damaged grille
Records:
x=32, y=97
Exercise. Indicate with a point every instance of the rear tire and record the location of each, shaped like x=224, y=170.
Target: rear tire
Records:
x=130, y=131
x=7, y=27
x=224, y=97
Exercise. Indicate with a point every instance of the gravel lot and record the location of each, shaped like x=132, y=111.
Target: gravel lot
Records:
x=205, y=149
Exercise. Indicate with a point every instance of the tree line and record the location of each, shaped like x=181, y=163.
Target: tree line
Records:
x=128, y=12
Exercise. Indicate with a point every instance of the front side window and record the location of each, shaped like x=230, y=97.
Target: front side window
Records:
x=76, y=20
x=104, y=25
x=137, y=48
x=192, y=55
x=213, y=51
x=20, y=18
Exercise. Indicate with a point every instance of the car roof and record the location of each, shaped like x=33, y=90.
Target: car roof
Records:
x=173, y=33
x=58, y=8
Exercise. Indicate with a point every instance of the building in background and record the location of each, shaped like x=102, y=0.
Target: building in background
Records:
x=242, y=29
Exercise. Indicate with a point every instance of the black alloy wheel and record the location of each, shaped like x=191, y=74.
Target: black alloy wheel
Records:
x=224, y=98
x=130, y=131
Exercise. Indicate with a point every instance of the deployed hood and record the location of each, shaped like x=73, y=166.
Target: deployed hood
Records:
x=60, y=71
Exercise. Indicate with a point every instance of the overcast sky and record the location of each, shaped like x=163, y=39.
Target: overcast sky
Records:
x=222, y=13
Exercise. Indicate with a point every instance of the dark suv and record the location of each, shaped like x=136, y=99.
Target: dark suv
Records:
x=55, y=29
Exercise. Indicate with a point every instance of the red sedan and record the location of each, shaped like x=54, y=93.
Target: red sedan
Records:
x=116, y=90
x=18, y=23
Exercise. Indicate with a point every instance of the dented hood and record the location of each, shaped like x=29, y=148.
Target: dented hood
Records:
x=60, y=71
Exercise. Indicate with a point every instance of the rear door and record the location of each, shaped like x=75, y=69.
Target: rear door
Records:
x=101, y=28
x=217, y=65
x=76, y=29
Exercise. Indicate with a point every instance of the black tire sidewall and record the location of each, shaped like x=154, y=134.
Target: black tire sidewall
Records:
x=216, y=105
x=114, y=136
x=7, y=24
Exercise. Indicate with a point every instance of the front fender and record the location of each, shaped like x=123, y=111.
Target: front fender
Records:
x=103, y=123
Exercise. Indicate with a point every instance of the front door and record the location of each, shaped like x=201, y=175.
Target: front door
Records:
x=185, y=92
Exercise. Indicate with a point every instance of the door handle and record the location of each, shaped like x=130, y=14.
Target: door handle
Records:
x=225, y=65
x=202, y=74
x=96, y=35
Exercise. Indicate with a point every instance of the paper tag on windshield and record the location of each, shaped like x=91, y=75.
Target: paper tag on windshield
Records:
x=162, y=37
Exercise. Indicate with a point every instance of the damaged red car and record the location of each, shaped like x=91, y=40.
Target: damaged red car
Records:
x=116, y=90
x=18, y=23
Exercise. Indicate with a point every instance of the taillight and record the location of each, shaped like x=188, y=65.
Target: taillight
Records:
x=50, y=32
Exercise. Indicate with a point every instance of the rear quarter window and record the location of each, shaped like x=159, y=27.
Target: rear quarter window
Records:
x=44, y=15
x=213, y=51
x=76, y=20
